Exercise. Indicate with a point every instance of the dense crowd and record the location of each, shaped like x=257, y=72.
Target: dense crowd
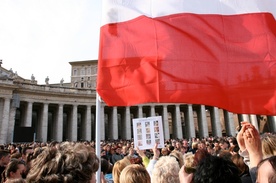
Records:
x=247, y=158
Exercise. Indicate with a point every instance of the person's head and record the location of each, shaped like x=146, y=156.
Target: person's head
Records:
x=134, y=174
x=107, y=148
x=185, y=143
x=225, y=154
x=178, y=156
x=103, y=153
x=178, y=145
x=199, y=156
x=210, y=149
x=164, y=151
x=16, y=156
x=216, y=144
x=238, y=161
x=232, y=141
x=4, y=157
x=25, y=151
x=12, y=148
x=118, y=150
x=268, y=145
x=224, y=144
x=131, y=151
x=202, y=144
x=104, y=166
x=136, y=160
x=15, y=169
x=189, y=163
x=266, y=170
x=124, y=150
x=118, y=168
x=166, y=170
x=70, y=163
x=216, y=169
x=195, y=145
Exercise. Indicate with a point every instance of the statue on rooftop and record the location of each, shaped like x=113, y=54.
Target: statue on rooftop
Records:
x=15, y=75
x=47, y=80
x=61, y=82
x=32, y=78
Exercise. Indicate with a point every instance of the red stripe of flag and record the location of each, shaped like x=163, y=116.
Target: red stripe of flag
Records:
x=228, y=61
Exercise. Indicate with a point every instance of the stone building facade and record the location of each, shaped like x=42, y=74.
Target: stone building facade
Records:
x=67, y=111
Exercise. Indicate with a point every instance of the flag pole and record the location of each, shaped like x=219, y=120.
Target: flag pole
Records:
x=98, y=135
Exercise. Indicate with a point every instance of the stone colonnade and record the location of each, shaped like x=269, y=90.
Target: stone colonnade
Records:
x=62, y=121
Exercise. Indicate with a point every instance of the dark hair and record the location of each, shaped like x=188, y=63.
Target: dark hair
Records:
x=4, y=153
x=137, y=160
x=104, y=166
x=199, y=156
x=12, y=167
x=239, y=162
x=216, y=170
x=171, y=148
x=24, y=149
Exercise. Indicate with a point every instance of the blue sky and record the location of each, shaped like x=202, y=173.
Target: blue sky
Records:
x=41, y=37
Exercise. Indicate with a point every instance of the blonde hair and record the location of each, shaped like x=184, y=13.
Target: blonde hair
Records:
x=179, y=157
x=189, y=163
x=118, y=168
x=69, y=163
x=166, y=170
x=194, y=145
x=134, y=174
x=189, y=160
x=268, y=145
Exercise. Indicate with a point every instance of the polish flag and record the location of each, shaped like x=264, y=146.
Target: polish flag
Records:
x=213, y=52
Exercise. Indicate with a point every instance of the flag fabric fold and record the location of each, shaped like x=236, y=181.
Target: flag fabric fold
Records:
x=213, y=52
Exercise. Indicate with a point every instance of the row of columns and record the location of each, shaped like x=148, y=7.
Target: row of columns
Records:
x=178, y=132
x=117, y=123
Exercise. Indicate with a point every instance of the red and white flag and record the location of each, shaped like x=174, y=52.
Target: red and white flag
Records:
x=213, y=52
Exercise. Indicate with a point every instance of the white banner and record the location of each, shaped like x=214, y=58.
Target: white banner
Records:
x=147, y=132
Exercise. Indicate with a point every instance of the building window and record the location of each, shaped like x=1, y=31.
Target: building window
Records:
x=75, y=72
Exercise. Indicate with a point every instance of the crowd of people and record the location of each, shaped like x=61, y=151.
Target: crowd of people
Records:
x=247, y=158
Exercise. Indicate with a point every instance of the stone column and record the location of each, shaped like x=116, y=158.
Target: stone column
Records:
x=272, y=123
x=229, y=123
x=44, y=123
x=127, y=123
x=152, y=111
x=11, y=124
x=190, y=122
x=58, y=135
x=254, y=121
x=114, y=123
x=87, y=124
x=216, y=126
x=166, y=123
x=102, y=117
x=29, y=113
x=245, y=117
x=140, y=111
x=5, y=121
x=74, y=124
x=178, y=126
x=202, y=120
